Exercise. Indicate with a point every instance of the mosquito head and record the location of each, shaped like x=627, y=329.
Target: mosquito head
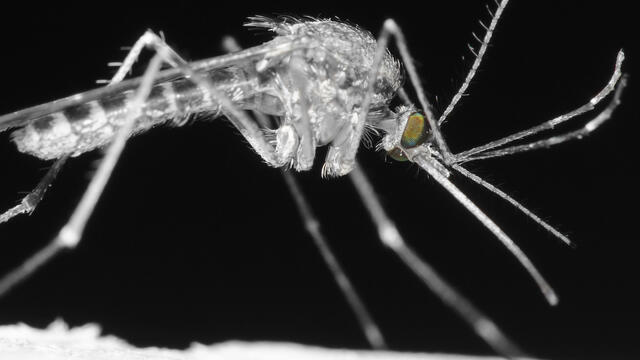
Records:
x=409, y=129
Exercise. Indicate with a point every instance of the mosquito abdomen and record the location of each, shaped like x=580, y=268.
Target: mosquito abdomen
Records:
x=84, y=127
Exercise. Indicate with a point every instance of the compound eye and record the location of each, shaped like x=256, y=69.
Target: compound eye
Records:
x=416, y=131
x=397, y=155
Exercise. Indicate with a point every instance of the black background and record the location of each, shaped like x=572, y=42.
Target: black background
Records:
x=195, y=239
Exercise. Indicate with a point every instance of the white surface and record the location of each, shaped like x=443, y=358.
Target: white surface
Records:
x=58, y=342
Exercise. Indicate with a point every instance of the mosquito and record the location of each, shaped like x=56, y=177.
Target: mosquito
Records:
x=318, y=82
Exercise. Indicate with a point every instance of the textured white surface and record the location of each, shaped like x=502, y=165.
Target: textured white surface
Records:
x=58, y=342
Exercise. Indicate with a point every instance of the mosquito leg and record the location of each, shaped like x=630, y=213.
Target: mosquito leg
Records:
x=391, y=237
x=391, y=28
x=478, y=180
x=589, y=127
x=29, y=202
x=312, y=225
x=300, y=129
x=476, y=63
x=404, y=97
x=432, y=167
x=307, y=144
x=275, y=157
x=148, y=39
x=550, y=124
x=368, y=325
x=71, y=233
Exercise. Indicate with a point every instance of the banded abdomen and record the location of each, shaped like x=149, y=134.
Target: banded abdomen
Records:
x=84, y=127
